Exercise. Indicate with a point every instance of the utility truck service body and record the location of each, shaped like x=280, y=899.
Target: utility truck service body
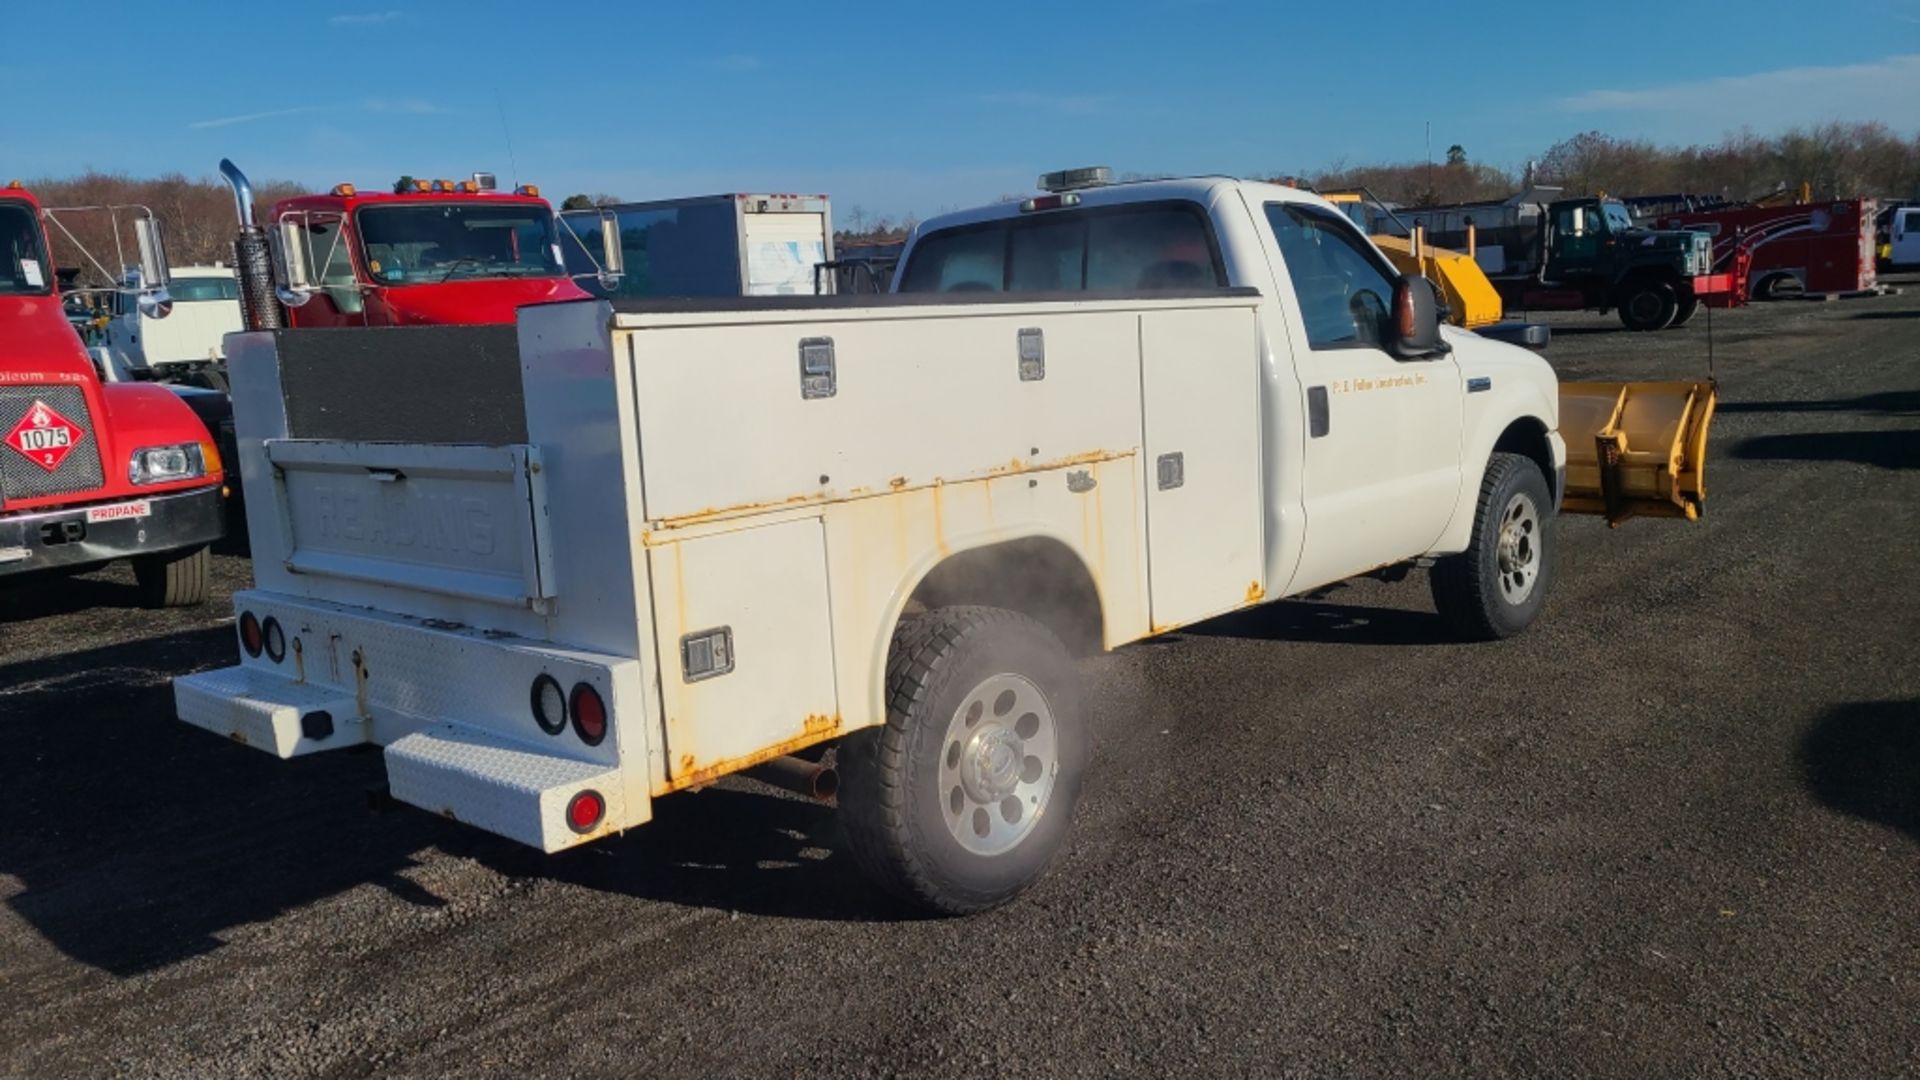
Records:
x=682, y=539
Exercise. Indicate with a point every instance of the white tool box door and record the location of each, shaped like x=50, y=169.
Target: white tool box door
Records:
x=1201, y=389
x=746, y=650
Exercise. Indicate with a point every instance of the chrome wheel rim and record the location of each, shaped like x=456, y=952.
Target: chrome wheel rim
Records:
x=998, y=764
x=1519, y=549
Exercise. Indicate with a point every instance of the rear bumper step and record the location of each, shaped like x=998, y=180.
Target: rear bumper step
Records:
x=483, y=780
x=262, y=710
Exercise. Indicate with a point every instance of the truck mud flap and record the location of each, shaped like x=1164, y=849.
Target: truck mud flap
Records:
x=1636, y=449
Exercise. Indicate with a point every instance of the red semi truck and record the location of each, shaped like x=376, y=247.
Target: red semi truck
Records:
x=429, y=253
x=90, y=472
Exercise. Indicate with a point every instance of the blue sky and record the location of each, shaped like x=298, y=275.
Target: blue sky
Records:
x=908, y=107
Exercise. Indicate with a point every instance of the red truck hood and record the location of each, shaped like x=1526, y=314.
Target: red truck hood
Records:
x=475, y=302
x=37, y=344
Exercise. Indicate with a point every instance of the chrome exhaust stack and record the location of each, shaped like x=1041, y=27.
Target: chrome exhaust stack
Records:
x=252, y=258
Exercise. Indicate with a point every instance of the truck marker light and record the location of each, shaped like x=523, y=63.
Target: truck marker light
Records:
x=549, y=704
x=589, y=714
x=1049, y=202
x=250, y=638
x=273, y=639
x=585, y=811
x=344, y=191
x=528, y=189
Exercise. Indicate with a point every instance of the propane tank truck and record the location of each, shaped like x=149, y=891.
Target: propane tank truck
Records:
x=92, y=473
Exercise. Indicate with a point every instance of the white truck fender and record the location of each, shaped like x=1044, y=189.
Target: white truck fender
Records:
x=1519, y=407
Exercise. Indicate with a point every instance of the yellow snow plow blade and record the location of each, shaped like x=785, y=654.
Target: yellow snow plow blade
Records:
x=1471, y=299
x=1636, y=449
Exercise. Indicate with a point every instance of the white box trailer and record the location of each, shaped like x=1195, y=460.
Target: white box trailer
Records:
x=712, y=245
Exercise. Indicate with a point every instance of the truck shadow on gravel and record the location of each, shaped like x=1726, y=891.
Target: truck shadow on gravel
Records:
x=1335, y=624
x=140, y=841
x=1863, y=759
x=1881, y=449
x=45, y=596
x=1884, y=403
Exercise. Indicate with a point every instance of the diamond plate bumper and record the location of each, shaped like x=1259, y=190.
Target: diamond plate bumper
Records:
x=263, y=710
x=483, y=780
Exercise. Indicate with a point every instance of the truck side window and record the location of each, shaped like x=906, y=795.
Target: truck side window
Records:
x=1345, y=293
x=964, y=260
x=329, y=263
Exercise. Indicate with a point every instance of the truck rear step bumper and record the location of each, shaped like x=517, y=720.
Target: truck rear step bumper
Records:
x=451, y=706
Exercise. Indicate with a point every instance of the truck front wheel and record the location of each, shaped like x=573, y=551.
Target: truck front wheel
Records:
x=962, y=799
x=1647, y=304
x=1688, y=306
x=1498, y=585
x=174, y=578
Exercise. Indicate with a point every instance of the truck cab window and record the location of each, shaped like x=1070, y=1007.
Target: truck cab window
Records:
x=1345, y=292
x=23, y=266
x=1137, y=247
x=329, y=264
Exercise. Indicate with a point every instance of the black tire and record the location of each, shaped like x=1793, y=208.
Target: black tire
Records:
x=896, y=813
x=1647, y=304
x=174, y=578
x=1689, y=305
x=1778, y=287
x=1475, y=592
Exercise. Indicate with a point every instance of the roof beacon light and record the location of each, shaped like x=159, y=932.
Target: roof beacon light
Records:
x=1074, y=179
x=344, y=191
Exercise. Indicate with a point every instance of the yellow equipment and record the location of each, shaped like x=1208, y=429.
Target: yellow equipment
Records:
x=1636, y=449
x=1472, y=301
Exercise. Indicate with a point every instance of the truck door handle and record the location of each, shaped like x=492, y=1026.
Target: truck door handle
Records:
x=1317, y=420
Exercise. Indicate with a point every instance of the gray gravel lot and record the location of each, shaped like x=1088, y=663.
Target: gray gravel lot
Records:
x=1675, y=829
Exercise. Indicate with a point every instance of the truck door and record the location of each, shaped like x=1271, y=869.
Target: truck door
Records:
x=1382, y=453
x=1574, y=244
x=1906, y=236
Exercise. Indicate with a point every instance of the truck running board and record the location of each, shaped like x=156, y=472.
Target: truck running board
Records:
x=1636, y=449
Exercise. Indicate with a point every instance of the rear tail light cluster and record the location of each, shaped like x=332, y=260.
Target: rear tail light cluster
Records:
x=258, y=637
x=584, y=707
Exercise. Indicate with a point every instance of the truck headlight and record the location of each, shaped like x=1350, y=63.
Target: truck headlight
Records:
x=163, y=464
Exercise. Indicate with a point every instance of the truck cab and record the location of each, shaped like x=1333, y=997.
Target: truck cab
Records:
x=203, y=307
x=92, y=472
x=429, y=253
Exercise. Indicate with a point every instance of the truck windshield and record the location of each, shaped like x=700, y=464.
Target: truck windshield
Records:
x=430, y=243
x=1618, y=220
x=197, y=289
x=23, y=259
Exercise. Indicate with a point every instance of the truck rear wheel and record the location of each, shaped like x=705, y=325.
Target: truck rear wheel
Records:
x=962, y=799
x=1689, y=304
x=1647, y=304
x=174, y=578
x=1498, y=585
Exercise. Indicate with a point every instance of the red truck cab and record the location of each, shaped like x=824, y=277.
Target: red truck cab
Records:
x=432, y=254
x=91, y=472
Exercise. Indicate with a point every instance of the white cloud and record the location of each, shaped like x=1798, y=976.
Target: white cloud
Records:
x=1067, y=104
x=247, y=118
x=1881, y=90
x=412, y=106
x=369, y=18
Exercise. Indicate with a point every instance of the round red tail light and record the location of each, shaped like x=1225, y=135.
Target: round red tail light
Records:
x=585, y=811
x=589, y=714
x=549, y=705
x=250, y=637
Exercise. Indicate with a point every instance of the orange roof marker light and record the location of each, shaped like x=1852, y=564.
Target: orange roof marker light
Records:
x=15, y=185
x=468, y=187
x=528, y=189
x=344, y=191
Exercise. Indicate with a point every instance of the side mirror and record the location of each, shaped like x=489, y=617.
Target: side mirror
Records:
x=1416, y=319
x=613, y=258
x=290, y=263
x=154, y=271
x=155, y=305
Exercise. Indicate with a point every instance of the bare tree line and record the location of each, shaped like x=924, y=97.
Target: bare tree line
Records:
x=1836, y=160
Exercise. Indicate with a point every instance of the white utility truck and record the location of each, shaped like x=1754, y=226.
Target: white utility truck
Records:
x=651, y=543
x=203, y=307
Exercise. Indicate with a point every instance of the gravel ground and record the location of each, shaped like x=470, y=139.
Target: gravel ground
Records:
x=1675, y=829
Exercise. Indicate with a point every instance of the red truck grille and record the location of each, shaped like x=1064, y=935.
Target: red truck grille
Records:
x=23, y=476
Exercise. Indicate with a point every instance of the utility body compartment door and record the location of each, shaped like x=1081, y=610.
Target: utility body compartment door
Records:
x=1200, y=387
x=750, y=606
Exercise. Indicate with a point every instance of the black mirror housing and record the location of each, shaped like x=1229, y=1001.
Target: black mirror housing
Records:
x=1416, y=319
